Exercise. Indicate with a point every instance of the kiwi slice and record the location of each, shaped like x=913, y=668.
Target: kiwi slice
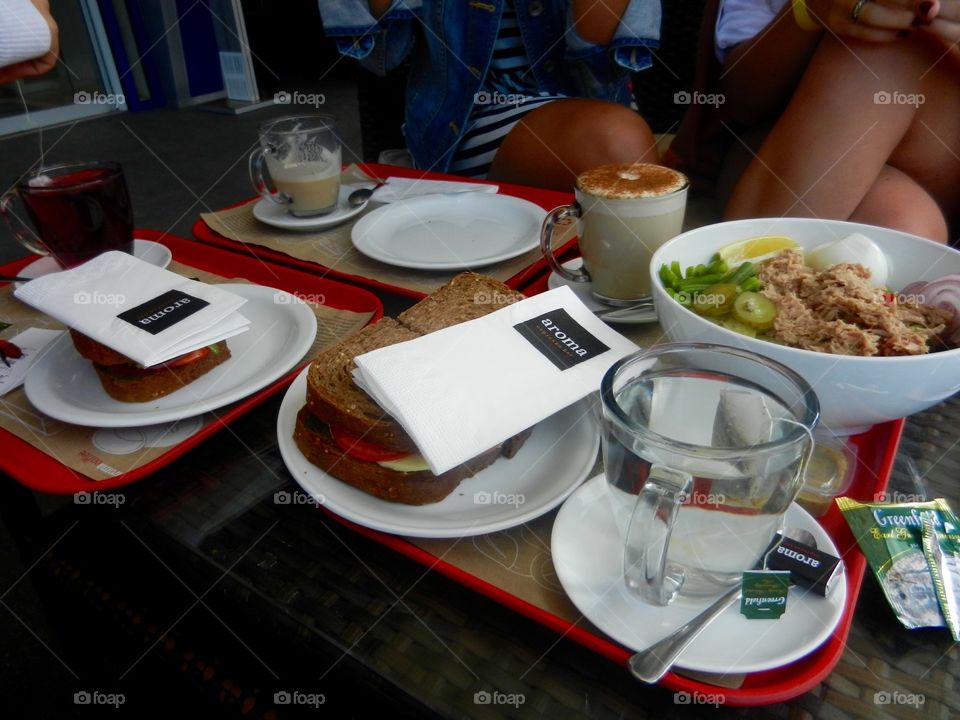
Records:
x=754, y=310
x=715, y=300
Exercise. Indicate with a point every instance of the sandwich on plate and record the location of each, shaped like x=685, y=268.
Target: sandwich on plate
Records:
x=126, y=380
x=343, y=431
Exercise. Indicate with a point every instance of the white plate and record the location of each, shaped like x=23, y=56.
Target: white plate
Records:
x=269, y=212
x=450, y=232
x=146, y=250
x=556, y=458
x=582, y=291
x=589, y=561
x=65, y=386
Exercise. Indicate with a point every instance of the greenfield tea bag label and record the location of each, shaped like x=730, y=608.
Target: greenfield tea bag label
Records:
x=764, y=594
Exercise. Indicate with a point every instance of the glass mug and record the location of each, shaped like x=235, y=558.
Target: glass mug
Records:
x=302, y=154
x=79, y=210
x=704, y=448
x=625, y=213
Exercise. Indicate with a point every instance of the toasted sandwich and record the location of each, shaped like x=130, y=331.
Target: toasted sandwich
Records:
x=342, y=430
x=127, y=381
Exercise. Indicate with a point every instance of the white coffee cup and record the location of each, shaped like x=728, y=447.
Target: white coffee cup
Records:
x=303, y=157
x=625, y=213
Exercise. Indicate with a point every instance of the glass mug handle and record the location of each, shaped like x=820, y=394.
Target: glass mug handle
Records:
x=645, y=566
x=546, y=242
x=22, y=233
x=259, y=184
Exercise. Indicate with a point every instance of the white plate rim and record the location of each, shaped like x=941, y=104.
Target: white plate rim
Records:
x=278, y=217
x=696, y=657
x=140, y=247
x=363, y=235
x=302, y=320
x=361, y=508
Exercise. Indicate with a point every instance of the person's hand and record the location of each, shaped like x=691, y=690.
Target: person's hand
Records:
x=872, y=20
x=946, y=21
x=38, y=65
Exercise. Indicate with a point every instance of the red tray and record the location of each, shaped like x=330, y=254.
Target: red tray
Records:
x=39, y=471
x=547, y=199
x=875, y=450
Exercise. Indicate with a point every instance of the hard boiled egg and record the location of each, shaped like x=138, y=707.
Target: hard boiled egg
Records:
x=854, y=248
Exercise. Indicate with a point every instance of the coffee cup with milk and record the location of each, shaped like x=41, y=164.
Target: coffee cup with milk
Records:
x=625, y=212
x=303, y=156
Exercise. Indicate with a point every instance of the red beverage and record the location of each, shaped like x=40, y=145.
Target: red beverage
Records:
x=78, y=210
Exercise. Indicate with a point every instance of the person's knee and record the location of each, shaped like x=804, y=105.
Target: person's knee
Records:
x=618, y=134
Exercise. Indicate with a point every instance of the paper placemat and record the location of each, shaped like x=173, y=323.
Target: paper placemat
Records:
x=101, y=453
x=518, y=561
x=333, y=248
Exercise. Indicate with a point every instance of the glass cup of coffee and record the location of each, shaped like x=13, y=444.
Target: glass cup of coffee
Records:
x=625, y=213
x=302, y=154
x=704, y=449
x=78, y=210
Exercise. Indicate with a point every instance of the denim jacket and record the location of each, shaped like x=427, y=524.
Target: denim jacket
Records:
x=454, y=45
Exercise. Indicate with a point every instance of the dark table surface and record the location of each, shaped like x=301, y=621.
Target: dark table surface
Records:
x=206, y=573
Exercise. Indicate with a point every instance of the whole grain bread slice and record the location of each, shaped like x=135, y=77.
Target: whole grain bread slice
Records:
x=410, y=488
x=334, y=399
x=467, y=296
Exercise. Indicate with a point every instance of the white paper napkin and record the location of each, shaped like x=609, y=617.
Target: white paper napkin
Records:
x=124, y=302
x=398, y=188
x=467, y=388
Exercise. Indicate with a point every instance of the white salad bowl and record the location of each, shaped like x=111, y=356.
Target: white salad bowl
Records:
x=854, y=392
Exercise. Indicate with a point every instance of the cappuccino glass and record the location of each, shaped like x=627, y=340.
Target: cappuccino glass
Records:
x=704, y=449
x=625, y=213
x=303, y=157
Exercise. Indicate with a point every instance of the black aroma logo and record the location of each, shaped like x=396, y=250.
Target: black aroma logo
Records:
x=560, y=338
x=163, y=311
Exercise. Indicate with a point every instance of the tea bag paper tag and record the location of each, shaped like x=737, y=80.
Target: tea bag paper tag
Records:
x=764, y=595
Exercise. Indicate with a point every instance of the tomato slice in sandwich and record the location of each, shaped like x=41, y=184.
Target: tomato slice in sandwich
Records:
x=361, y=449
x=188, y=358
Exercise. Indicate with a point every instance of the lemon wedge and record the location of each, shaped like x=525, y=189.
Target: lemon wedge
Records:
x=755, y=249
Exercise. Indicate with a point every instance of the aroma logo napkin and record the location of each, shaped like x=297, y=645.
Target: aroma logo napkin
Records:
x=149, y=314
x=465, y=389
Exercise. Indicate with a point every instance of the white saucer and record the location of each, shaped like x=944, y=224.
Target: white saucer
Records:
x=588, y=558
x=146, y=250
x=269, y=212
x=582, y=291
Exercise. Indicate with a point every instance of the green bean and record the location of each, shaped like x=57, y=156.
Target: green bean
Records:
x=701, y=280
x=700, y=270
x=740, y=273
x=752, y=284
x=717, y=266
x=668, y=277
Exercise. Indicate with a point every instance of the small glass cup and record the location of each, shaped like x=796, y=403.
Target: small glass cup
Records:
x=302, y=154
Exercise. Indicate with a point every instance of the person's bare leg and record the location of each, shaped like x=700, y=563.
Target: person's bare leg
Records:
x=553, y=144
x=895, y=200
x=834, y=140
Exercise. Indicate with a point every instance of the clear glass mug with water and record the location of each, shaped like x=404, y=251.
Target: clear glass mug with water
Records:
x=705, y=448
x=302, y=154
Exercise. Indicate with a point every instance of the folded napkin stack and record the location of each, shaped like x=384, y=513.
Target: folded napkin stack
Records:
x=141, y=311
x=464, y=389
x=398, y=188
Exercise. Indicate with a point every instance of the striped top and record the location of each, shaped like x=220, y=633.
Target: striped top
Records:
x=508, y=93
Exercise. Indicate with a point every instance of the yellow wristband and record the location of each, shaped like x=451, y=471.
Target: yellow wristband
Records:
x=802, y=16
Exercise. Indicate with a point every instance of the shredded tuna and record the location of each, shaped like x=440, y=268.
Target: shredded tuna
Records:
x=837, y=310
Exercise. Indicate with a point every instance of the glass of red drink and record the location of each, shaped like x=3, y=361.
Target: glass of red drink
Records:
x=78, y=210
